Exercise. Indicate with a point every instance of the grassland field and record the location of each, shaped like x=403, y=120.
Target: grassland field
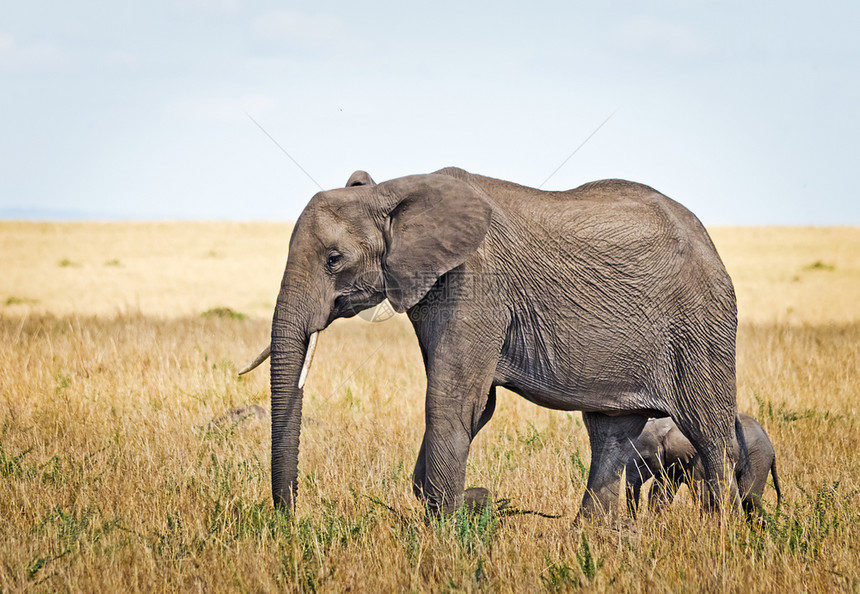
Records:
x=118, y=472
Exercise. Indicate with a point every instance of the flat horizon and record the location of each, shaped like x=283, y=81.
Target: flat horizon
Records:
x=38, y=215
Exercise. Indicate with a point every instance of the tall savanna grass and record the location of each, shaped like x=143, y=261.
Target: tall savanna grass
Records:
x=121, y=470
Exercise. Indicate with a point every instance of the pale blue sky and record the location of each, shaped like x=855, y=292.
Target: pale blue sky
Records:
x=745, y=112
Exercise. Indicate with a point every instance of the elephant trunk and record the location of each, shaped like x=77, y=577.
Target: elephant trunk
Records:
x=289, y=350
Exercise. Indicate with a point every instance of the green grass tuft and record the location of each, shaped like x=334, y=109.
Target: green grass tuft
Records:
x=224, y=313
x=819, y=265
x=21, y=301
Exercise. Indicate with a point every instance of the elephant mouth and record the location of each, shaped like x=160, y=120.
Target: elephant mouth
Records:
x=354, y=302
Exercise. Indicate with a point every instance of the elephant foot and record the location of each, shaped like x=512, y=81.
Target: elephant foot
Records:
x=474, y=502
x=595, y=508
x=476, y=499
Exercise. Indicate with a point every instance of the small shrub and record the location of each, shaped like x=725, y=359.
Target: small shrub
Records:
x=819, y=265
x=21, y=301
x=533, y=439
x=558, y=576
x=223, y=312
x=578, y=468
x=10, y=465
x=587, y=562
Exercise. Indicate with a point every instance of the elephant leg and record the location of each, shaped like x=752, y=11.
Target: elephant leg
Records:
x=704, y=386
x=476, y=497
x=440, y=471
x=752, y=488
x=752, y=505
x=636, y=473
x=419, y=474
x=715, y=463
x=611, y=440
x=753, y=478
x=633, y=481
x=750, y=492
x=662, y=492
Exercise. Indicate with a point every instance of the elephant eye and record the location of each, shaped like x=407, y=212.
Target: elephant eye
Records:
x=333, y=259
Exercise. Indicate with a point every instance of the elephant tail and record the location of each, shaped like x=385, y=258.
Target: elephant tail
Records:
x=776, y=482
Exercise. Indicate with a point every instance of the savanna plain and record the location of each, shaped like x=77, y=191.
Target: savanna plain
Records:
x=121, y=469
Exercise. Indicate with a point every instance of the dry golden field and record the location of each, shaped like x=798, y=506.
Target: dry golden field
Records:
x=114, y=477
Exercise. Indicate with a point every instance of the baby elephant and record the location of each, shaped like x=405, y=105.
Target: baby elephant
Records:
x=663, y=452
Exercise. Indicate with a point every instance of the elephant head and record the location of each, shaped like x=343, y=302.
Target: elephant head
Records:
x=351, y=248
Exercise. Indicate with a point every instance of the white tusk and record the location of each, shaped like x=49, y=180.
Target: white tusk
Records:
x=312, y=345
x=260, y=358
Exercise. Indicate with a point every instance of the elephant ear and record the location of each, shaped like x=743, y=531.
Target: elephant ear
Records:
x=360, y=178
x=434, y=223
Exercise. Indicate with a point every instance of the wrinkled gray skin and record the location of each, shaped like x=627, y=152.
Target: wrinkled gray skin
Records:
x=609, y=299
x=662, y=451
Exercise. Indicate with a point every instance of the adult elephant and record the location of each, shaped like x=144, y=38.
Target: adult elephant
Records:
x=609, y=299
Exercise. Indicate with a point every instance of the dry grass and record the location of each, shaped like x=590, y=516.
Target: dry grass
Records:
x=112, y=476
x=805, y=275
x=795, y=275
x=162, y=269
